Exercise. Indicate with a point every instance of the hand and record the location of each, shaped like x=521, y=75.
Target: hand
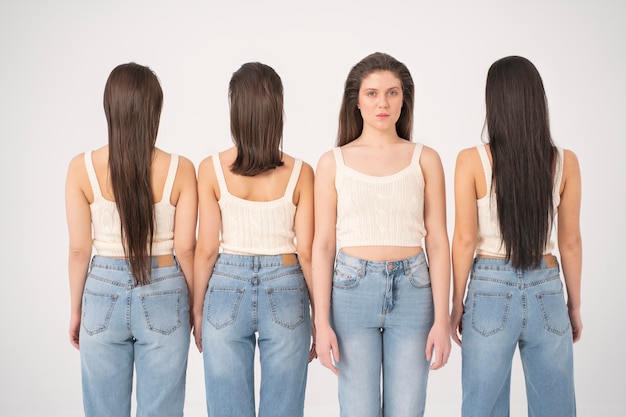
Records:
x=456, y=324
x=438, y=345
x=327, y=348
x=576, y=323
x=197, y=330
x=312, y=352
x=75, y=330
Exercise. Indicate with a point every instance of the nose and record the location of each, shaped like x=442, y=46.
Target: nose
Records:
x=383, y=103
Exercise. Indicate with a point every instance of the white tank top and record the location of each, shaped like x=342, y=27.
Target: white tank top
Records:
x=107, y=238
x=257, y=227
x=489, y=238
x=380, y=210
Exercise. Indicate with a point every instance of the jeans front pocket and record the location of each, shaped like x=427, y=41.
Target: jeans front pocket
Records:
x=555, y=316
x=345, y=276
x=490, y=312
x=162, y=310
x=97, y=309
x=223, y=305
x=287, y=305
x=419, y=276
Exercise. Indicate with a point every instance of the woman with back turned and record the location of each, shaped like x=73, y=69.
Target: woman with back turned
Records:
x=253, y=259
x=130, y=306
x=509, y=194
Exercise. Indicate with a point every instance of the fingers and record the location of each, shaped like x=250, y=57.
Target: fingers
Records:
x=328, y=357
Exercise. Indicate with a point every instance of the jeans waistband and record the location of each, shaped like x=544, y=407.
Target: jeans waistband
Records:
x=160, y=261
x=362, y=264
x=285, y=259
x=548, y=261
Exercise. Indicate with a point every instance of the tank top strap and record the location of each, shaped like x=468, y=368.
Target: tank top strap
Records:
x=171, y=176
x=484, y=158
x=219, y=174
x=339, y=164
x=417, y=153
x=293, y=179
x=93, y=178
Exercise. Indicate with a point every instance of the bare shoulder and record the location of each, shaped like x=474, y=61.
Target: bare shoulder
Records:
x=571, y=168
x=429, y=154
x=570, y=160
x=77, y=163
x=326, y=161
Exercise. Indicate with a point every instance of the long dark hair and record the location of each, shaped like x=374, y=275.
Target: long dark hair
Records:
x=256, y=118
x=523, y=155
x=132, y=103
x=350, y=119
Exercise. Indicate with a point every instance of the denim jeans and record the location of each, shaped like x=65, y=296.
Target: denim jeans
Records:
x=506, y=308
x=125, y=326
x=254, y=299
x=382, y=313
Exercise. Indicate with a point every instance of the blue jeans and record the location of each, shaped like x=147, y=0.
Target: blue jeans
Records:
x=125, y=326
x=382, y=313
x=250, y=297
x=506, y=308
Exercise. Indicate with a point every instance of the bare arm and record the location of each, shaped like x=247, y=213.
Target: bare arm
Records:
x=465, y=234
x=569, y=239
x=207, y=246
x=304, y=228
x=438, y=250
x=80, y=240
x=185, y=220
x=324, y=247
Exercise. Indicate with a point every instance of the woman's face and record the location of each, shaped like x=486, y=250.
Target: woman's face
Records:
x=380, y=100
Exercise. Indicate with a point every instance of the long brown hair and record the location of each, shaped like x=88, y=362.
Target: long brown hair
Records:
x=132, y=103
x=523, y=155
x=256, y=118
x=350, y=119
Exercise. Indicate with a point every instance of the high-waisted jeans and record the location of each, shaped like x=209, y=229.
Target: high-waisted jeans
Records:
x=125, y=326
x=250, y=299
x=382, y=313
x=506, y=308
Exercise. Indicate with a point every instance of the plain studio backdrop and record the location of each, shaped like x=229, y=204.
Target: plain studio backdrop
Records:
x=56, y=57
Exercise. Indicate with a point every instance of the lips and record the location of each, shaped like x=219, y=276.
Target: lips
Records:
x=382, y=115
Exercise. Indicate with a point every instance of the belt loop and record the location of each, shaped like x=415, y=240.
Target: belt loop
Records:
x=256, y=264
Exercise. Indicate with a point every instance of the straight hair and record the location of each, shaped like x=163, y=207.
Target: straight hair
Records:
x=132, y=103
x=256, y=119
x=350, y=119
x=523, y=158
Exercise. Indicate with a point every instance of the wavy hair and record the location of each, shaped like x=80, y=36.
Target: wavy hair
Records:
x=350, y=119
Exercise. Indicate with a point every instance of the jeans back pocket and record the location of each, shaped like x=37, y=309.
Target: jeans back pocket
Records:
x=223, y=306
x=162, y=310
x=96, y=311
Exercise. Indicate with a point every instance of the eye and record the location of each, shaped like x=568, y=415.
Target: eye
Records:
x=371, y=93
x=393, y=93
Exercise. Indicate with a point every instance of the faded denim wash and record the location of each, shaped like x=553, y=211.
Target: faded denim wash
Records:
x=382, y=313
x=506, y=308
x=250, y=300
x=126, y=327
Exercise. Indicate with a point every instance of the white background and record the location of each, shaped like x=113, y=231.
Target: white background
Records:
x=56, y=56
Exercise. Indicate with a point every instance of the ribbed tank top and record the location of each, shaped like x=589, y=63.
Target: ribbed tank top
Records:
x=489, y=238
x=257, y=227
x=380, y=210
x=107, y=226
